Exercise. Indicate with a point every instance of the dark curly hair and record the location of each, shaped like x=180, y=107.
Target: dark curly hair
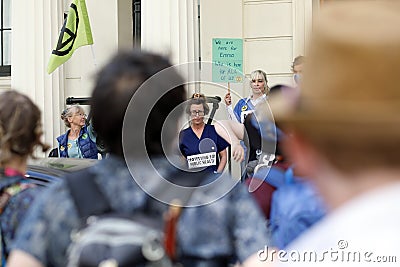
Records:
x=197, y=99
x=116, y=84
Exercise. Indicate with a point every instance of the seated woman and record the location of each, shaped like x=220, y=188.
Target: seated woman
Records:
x=20, y=133
x=203, y=145
x=80, y=140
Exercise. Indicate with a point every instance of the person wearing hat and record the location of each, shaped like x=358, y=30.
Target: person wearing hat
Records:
x=345, y=134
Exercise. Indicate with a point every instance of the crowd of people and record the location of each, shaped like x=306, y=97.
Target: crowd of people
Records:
x=328, y=169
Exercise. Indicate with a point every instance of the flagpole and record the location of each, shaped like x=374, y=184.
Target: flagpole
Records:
x=94, y=56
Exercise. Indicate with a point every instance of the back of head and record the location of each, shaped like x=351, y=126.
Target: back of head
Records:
x=20, y=126
x=350, y=98
x=118, y=82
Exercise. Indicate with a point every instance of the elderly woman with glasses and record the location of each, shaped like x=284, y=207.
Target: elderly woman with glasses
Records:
x=201, y=145
x=80, y=140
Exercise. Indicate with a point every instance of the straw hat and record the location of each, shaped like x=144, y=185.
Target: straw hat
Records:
x=351, y=83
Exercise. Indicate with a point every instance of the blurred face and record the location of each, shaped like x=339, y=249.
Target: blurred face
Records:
x=78, y=118
x=298, y=69
x=258, y=84
x=197, y=114
x=297, y=72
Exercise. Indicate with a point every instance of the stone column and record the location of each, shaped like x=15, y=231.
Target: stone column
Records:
x=35, y=24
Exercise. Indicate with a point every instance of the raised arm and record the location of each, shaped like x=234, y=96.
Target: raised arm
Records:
x=232, y=132
x=19, y=258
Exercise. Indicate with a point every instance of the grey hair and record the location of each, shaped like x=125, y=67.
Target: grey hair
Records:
x=69, y=112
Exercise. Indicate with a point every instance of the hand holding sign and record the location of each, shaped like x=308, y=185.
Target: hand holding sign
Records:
x=228, y=98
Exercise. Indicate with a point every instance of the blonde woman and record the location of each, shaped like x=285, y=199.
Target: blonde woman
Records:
x=246, y=106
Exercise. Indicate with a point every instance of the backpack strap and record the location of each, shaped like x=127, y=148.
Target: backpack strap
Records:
x=171, y=218
x=172, y=214
x=86, y=194
x=83, y=188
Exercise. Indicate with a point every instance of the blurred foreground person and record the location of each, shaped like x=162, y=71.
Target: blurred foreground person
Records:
x=345, y=135
x=20, y=133
x=227, y=228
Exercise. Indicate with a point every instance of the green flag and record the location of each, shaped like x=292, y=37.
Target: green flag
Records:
x=74, y=34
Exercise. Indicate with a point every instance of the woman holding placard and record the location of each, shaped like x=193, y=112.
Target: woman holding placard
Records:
x=246, y=106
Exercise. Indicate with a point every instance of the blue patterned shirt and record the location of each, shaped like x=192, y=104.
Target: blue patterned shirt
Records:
x=15, y=209
x=231, y=226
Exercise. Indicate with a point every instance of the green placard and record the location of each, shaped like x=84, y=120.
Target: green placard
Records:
x=227, y=57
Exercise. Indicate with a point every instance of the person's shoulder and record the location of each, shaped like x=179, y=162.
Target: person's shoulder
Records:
x=61, y=137
x=30, y=192
x=209, y=126
x=40, y=201
x=210, y=129
x=120, y=172
x=85, y=129
x=240, y=104
x=24, y=194
x=184, y=132
x=242, y=101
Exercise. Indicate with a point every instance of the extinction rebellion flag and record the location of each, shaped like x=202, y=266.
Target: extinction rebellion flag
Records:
x=75, y=33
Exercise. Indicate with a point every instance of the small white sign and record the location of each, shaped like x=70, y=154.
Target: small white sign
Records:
x=202, y=160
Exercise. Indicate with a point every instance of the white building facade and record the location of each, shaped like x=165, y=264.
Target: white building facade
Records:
x=273, y=33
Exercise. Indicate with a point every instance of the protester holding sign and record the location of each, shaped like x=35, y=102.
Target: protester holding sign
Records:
x=245, y=106
x=244, y=109
x=202, y=146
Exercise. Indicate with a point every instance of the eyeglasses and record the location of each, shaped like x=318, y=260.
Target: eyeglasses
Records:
x=197, y=112
x=81, y=115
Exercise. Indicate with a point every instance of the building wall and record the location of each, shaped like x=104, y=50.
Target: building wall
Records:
x=274, y=31
x=36, y=26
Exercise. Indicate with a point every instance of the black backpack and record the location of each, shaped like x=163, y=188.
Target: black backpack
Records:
x=107, y=238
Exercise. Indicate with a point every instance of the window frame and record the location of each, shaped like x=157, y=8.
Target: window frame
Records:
x=5, y=70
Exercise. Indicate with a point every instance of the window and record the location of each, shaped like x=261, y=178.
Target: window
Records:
x=136, y=17
x=5, y=38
